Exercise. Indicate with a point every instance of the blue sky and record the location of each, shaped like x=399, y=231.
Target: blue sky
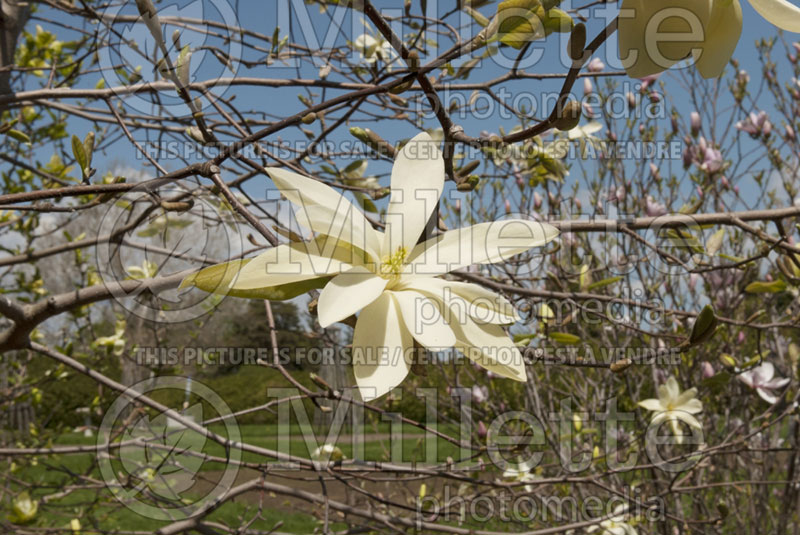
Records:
x=280, y=102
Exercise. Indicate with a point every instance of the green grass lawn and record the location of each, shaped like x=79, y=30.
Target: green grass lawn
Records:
x=50, y=474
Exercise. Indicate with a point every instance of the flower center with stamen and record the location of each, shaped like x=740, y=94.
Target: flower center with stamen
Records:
x=392, y=265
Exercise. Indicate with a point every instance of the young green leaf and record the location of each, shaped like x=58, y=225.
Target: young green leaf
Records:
x=79, y=152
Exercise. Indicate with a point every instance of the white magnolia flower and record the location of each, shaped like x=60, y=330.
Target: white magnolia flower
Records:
x=522, y=474
x=761, y=379
x=388, y=276
x=327, y=453
x=585, y=133
x=615, y=525
x=673, y=406
x=656, y=34
x=372, y=49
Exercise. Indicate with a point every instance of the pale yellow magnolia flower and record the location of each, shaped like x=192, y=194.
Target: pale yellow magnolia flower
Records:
x=615, y=525
x=148, y=270
x=585, y=133
x=673, y=406
x=391, y=278
x=327, y=453
x=116, y=341
x=656, y=34
x=522, y=474
x=372, y=49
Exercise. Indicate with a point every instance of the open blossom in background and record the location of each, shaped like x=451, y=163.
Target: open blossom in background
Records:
x=615, y=525
x=373, y=49
x=755, y=124
x=521, y=474
x=762, y=379
x=720, y=24
x=390, y=277
x=674, y=406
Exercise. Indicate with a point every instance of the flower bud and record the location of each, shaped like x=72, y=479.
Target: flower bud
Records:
x=468, y=168
x=577, y=42
x=482, y=430
x=413, y=61
x=631, y=100
x=568, y=115
x=469, y=184
x=360, y=134
x=687, y=157
x=537, y=200
x=695, y=122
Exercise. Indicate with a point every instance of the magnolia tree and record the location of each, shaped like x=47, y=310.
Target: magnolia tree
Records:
x=342, y=266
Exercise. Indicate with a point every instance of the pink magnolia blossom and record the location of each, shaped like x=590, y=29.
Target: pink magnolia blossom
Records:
x=761, y=379
x=694, y=278
x=708, y=369
x=616, y=194
x=647, y=81
x=480, y=393
x=596, y=65
x=654, y=208
x=712, y=161
x=755, y=124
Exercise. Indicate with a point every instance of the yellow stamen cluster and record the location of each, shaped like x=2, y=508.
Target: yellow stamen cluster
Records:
x=392, y=265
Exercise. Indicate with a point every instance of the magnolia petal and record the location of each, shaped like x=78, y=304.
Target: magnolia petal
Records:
x=774, y=384
x=781, y=13
x=461, y=298
x=651, y=405
x=653, y=37
x=423, y=320
x=669, y=390
x=767, y=396
x=345, y=223
x=294, y=262
x=692, y=406
x=380, y=344
x=489, y=346
x=763, y=373
x=684, y=397
x=674, y=417
x=747, y=378
x=417, y=184
x=721, y=38
x=306, y=193
x=217, y=280
x=347, y=293
x=485, y=243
